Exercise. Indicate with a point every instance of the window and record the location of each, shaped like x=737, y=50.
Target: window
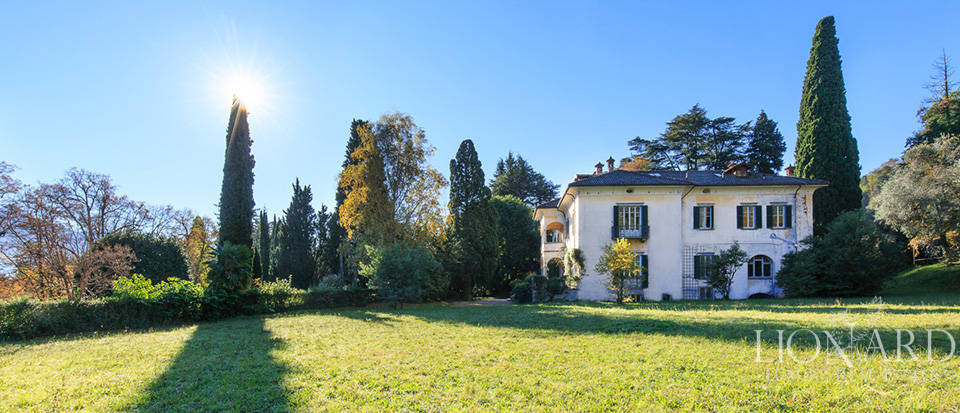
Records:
x=702, y=266
x=759, y=267
x=554, y=236
x=703, y=217
x=630, y=217
x=779, y=216
x=748, y=217
x=644, y=280
x=706, y=293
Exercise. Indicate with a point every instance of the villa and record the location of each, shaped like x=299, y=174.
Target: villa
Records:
x=676, y=221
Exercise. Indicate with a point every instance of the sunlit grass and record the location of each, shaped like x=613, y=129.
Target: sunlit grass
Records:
x=681, y=355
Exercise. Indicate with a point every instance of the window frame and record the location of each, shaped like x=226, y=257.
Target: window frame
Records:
x=765, y=264
x=704, y=265
x=782, y=210
x=751, y=211
x=630, y=214
x=704, y=215
x=557, y=237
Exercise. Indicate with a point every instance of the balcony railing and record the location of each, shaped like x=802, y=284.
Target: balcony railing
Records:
x=642, y=233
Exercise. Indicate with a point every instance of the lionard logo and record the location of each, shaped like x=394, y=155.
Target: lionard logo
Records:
x=804, y=345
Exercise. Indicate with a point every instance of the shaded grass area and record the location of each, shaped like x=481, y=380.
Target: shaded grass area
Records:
x=937, y=278
x=578, y=356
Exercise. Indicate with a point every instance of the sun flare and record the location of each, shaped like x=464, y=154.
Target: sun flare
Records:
x=250, y=89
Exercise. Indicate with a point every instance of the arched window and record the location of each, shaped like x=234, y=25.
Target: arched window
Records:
x=554, y=268
x=760, y=266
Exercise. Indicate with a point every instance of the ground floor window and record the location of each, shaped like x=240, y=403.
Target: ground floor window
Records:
x=760, y=266
x=702, y=266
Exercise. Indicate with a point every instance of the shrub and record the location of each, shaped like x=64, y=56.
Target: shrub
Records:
x=277, y=295
x=404, y=274
x=158, y=258
x=533, y=288
x=231, y=269
x=853, y=258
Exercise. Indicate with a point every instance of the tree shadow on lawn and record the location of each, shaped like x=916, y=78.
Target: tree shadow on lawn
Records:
x=569, y=319
x=224, y=366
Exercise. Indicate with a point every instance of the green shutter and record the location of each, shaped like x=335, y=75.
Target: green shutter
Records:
x=696, y=217
x=643, y=215
x=758, y=216
x=697, y=266
x=788, y=216
x=739, y=217
x=770, y=216
x=615, y=230
x=646, y=270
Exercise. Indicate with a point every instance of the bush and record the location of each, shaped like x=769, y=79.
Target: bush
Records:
x=158, y=258
x=853, y=258
x=231, y=269
x=137, y=304
x=404, y=274
x=533, y=288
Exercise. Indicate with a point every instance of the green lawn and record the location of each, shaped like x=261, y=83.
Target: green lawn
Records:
x=660, y=356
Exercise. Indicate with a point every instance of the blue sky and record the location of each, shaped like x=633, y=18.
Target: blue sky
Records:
x=136, y=91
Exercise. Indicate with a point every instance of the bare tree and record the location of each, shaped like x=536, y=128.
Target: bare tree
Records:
x=941, y=83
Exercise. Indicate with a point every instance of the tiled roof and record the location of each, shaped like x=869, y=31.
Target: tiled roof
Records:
x=551, y=204
x=700, y=178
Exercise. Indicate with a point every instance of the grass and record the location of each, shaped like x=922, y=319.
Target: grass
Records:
x=646, y=356
x=937, y=278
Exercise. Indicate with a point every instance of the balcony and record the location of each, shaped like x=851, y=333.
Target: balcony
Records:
x=642, y=233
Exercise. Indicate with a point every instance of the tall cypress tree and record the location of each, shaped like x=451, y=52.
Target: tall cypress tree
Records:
x=826, y=148
x=265, y=247
x=765, y=146
x=295, y=257
x=473, y=246
x=236, y=191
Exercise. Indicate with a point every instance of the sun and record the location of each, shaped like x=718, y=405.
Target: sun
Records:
x=249, y=88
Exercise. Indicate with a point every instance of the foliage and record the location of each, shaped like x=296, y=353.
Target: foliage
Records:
x=941, y=115
x=276, y=295
x=264, y=247
x=620, y=263
x=871, y=183
x=157, y=258
x=295, y=255
x=531, y=289
x=826, y=148
x=920, y=197
x=413, y=186
x=231, y=269
x=573, y=265
x=367, y=213
x=333, y=253
x=472, y=249
x=236, y=191
x=765, y=146
x=198, y=248
x=404, y=274
x=636, y=163
x=725, y=265
x=694, y=141
x=853, y=258
x=519, y=240
x=514, y=176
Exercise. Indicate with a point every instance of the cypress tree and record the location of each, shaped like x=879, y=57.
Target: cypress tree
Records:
x=295, y=257
x=265, y=247
x=765, y=147
x=826, y=148
x=473, y=246
x=236, y=191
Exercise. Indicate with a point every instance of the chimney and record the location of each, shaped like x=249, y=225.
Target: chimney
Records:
x=789, y=171
x=610, y=164
x=599, y=167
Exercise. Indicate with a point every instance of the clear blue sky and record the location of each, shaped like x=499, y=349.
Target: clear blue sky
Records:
x=134, y=90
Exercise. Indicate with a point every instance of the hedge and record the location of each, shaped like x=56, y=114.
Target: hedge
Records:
x=25, y=318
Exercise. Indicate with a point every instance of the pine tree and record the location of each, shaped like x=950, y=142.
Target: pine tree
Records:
x=297, y=239
x=265, y=247
x=236, y=192
x=766, y=145
x=514, y=176
x=473, y=243
x=826, y=148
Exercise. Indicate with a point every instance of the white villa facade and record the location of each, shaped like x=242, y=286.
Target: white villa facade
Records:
x=676, y=221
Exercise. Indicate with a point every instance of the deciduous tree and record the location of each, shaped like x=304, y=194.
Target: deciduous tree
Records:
x=620, y=263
